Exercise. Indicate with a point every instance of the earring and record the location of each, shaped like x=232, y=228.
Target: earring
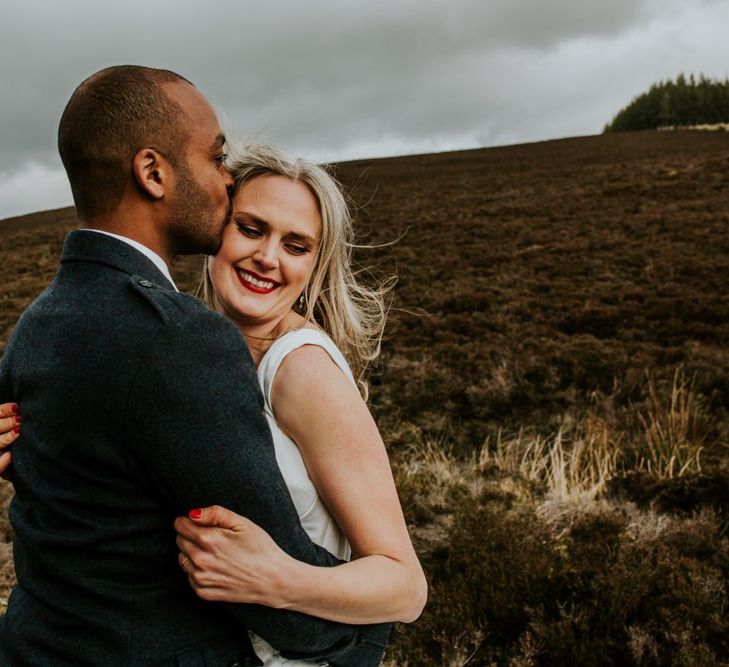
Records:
x=301, y=302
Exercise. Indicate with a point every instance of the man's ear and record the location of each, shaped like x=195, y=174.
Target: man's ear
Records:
x=152, y=172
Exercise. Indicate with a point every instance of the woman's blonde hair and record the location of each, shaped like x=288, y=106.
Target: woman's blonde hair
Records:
x=351, y=313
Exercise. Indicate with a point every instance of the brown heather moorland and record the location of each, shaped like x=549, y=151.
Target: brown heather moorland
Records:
x=553, y=390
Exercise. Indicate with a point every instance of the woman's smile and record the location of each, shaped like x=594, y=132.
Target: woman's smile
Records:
x=256, y=283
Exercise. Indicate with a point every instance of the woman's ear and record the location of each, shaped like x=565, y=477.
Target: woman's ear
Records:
x=151, y=172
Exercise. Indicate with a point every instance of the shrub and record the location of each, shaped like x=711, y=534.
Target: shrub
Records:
x=491, y=569
x=521, y=577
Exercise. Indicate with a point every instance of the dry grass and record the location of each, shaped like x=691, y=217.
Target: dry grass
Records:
x=676, y=429
x=578, y=463
x=665, y=437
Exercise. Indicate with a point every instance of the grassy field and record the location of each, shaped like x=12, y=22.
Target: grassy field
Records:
x=553, y=389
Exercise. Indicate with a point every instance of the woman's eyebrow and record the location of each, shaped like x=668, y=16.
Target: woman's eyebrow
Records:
x=251, y=216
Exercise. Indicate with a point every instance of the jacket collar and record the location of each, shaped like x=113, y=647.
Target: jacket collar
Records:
x=82, y=245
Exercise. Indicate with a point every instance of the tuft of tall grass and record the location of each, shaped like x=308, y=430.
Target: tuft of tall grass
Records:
x=569, y=463
x=675, y=428
x=664, y=436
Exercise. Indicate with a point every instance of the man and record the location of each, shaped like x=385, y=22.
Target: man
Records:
x=139, y=404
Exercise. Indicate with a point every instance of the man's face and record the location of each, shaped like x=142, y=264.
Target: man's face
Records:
x=200, y=203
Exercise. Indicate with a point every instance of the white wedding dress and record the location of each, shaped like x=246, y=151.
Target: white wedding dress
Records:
x=315, y=518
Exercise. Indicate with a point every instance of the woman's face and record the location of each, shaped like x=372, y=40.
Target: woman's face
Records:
x=268, y=251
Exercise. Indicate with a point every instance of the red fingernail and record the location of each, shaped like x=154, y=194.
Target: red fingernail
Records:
x=14, y=408
x=16, y=429
x=195, y=514
x=17, y=419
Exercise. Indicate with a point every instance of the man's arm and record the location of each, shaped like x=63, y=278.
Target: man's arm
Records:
x=195, y=422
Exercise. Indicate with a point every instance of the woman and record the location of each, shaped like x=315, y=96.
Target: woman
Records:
x=283, y=276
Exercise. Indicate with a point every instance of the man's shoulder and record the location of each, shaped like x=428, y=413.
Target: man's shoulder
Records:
x=170, y=306
x=184, y=318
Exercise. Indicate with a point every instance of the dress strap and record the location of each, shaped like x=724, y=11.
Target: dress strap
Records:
x=293, y=340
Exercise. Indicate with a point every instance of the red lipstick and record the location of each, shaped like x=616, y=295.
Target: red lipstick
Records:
x=258, y=289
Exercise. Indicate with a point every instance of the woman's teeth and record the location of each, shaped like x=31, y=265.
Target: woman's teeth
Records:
x=263, y=284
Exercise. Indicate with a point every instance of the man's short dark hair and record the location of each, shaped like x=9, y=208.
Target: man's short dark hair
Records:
x=109, y=118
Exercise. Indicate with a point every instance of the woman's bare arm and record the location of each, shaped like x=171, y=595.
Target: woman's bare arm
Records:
x=319, y=408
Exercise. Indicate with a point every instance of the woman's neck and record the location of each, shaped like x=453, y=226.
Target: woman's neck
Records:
x=260, y=336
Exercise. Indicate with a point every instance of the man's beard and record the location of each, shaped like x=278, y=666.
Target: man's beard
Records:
x=194, y=228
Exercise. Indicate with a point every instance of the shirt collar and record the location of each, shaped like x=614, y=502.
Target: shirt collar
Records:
x=153, y=256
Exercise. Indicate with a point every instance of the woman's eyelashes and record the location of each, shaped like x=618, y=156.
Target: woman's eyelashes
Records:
x=249, y=230
x=253, y=232
x=297, y=249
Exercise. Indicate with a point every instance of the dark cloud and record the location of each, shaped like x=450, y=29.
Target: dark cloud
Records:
x=343, y=79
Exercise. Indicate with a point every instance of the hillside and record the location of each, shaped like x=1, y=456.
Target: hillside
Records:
x=530, y=276
x=565, y=289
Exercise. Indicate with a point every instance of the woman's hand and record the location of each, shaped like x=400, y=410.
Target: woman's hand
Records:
x=9, y=432
x=228, y=557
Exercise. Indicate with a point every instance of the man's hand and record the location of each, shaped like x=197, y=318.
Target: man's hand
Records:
x=227, y=557
x=9, y=432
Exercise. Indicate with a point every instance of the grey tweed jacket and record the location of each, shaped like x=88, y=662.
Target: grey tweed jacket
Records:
x=138, y=404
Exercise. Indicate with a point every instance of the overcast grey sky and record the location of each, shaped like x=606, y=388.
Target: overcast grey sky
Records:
x=341, y=79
